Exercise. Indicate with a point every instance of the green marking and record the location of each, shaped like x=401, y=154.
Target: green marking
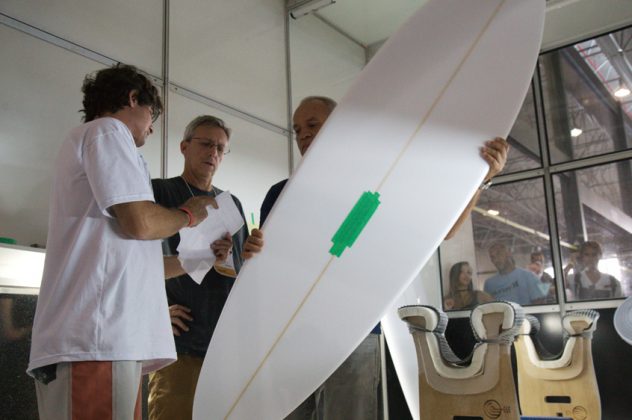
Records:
x=355, y=222
x=252, y=217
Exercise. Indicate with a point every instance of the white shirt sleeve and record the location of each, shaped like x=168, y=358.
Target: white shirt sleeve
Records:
x=115, y=169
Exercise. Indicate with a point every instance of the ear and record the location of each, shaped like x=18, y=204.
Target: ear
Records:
x=183, y=146
x=133, y=98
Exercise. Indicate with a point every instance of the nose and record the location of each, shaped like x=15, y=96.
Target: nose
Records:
x=214, y=150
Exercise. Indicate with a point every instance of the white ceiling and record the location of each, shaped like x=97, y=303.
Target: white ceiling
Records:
x=372, y=21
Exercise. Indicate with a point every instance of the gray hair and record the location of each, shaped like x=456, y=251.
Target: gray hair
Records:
x=205, y=120
x=329, y=103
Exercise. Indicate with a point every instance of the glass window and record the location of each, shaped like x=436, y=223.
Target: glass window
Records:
x=594, y=214
x=587, y=112
x=523, y=138
x=507, y=256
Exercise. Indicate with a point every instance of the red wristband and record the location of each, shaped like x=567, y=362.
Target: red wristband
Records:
x=188, y=212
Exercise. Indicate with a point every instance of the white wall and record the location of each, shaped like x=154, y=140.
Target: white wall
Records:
x=232, y=53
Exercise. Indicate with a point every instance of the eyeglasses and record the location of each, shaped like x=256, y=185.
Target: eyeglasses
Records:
x=222, y=149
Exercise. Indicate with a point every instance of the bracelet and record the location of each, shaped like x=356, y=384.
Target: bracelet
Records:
x=485, y=185
x=188, y=213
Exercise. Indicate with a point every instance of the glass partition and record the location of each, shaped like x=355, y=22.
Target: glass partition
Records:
x=594, y=214
x=524, y=153
x=503, y=252
x=588, y=111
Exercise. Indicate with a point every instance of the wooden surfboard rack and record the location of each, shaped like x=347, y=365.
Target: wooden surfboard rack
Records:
x=566, y=384
x=479, y=387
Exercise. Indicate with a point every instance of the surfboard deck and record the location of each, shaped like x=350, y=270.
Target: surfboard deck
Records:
x=407, y=134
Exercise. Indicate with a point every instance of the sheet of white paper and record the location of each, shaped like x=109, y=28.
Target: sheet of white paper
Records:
x=194, y=251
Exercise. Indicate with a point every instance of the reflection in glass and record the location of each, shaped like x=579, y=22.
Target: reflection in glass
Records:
x=510, y=226
x=512, y=218
x=462, y=294
x=595, y=204
x=524, y=152
x=585, y=112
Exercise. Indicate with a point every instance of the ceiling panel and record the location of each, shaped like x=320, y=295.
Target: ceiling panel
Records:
x=127, y=31
x=370, y=21
x=232, y=52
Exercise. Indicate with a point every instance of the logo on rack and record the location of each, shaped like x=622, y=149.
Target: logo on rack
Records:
x=580, y=413
x=492, y=409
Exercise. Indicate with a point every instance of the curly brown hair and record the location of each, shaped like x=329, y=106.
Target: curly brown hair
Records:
x=107, y=91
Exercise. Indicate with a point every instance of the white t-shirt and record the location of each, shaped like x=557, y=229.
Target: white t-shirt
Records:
x=102, y=295
x=606, y=287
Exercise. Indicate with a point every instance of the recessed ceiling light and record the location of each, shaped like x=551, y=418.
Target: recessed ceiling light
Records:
x=622, y=92
x=575, y=132
x=493, y=212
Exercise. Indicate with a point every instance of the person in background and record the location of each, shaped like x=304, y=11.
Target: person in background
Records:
x=512, y=283
x=351, y=392
x=195, y=308
x=462, y=294
x=102, y=319
x=590, y=283
x=547, y=283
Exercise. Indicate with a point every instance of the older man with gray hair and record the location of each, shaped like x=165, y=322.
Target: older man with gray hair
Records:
x=195, y=308
x=351, y=392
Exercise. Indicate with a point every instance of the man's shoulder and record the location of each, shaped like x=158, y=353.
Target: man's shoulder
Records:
x=277, y=187
x=275, y=191
x=518, y=271
x=496, y=277
x=167, y=184
x=169, y=191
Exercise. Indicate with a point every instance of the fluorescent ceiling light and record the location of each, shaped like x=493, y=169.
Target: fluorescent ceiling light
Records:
x=493, y=212
x=299, y=8
x=576, y=132
x=622, y=92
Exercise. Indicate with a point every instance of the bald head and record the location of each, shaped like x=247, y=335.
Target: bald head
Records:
x=309, y=117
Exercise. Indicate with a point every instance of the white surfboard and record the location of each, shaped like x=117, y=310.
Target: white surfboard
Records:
x=405, y=138
x=400, y=342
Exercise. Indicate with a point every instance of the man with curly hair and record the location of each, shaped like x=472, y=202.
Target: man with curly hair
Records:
x=102, y=318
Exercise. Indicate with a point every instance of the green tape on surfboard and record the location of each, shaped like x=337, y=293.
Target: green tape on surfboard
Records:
x=355, y=222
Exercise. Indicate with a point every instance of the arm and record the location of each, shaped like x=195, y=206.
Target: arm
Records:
x=145, y=220
x=495, y=154
x=173, y=268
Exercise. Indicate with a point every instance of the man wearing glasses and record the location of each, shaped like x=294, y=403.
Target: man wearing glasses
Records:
x=195, y=308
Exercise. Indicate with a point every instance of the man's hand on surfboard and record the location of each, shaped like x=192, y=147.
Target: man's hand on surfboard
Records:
x=495, y=154
x=253, y=244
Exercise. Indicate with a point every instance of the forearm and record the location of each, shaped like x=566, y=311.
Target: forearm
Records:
x=145, y=220
x=464, y=215
x=173, y=268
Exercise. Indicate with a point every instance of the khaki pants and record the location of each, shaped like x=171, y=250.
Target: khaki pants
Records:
x=172, y=388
